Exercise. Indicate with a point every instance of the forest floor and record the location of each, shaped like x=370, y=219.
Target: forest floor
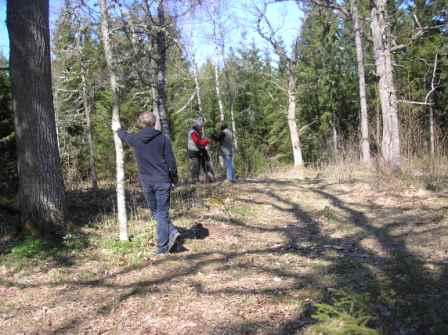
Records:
x=285, y=254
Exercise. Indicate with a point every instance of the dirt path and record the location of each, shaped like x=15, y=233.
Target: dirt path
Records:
x=269, y=250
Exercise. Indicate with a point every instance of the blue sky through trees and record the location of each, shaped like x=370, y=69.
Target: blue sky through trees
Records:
x=238, y=24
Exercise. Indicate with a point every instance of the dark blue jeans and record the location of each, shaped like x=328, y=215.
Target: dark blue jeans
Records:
x=158, y=199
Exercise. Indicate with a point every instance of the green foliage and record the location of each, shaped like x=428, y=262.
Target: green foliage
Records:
x=138, y=248
x=327, y=83
x=8, y=173
x=252, y=87
x=348, y=314
x=31, y=250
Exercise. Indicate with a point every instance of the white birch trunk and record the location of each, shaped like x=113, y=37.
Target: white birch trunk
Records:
x=431, y=111
x=197, y=87
x=292, y=123
x=389, y=106
x=232, y=116
x=365, y=147
x=431, y=132
x=378, y=124
x=119, y=154
x=218, y=90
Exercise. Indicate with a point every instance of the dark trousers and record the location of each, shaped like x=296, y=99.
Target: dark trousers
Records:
x=158, y=199
x=198, y=163
x=195, y=168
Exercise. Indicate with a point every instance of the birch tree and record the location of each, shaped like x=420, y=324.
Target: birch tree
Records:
x=119, y=153
x=214, y=16
x=291, y=62
x=429, y=102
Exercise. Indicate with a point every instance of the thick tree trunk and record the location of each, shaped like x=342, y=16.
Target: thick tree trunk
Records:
x=292, y=124
x=86, y=99
x=119, y=154
x=41, y=187
x=383, y=59
x=365, y=147
x=161, y=69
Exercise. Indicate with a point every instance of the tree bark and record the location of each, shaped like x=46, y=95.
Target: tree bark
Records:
x=292, y=124
x=429, y=100
x=218, y=89
x=335, y=135
x=40, y=196
x=232, y=117
x=119, y=154
x=365, y=147
x=431, y=132
x=378, y=124
x=86, y=100
x=197, y=87
x=161, y=69
x=389, y=106
x=155, y=106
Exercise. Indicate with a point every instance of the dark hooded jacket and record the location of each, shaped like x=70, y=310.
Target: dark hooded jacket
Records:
x=154, y=154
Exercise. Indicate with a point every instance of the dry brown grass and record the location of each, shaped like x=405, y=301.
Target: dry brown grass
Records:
x=275, y=247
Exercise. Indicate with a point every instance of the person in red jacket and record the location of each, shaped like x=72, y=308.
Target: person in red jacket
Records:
x=197, y=152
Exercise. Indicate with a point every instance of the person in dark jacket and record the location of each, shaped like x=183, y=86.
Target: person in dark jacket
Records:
x=226, y=149
x=157, y=172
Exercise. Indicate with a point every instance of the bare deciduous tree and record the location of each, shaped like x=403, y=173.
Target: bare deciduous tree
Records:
x=365, y=146
x=291, y=63
x=119, y=153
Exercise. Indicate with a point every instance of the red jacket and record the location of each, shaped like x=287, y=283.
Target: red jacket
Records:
x=198, y=140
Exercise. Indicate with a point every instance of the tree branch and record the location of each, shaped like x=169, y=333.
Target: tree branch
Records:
x=186, y=105
x=433, y=85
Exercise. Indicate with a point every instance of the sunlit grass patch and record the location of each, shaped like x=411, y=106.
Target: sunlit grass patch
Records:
x=139, y=247
x=241, y=211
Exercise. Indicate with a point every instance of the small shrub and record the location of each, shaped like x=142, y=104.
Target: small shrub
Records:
x=348, y=314
x=29, y=248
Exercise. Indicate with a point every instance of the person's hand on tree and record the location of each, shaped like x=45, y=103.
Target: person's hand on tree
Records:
x=116, y=125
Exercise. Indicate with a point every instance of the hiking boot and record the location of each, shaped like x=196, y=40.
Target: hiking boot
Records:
x=172, y=241
x=159, y=253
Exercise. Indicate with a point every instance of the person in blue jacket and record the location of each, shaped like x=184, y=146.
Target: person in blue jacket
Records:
x=157, y=173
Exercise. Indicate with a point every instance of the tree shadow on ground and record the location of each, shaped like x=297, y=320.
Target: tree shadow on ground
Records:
x=88, y=207
x=405, y=297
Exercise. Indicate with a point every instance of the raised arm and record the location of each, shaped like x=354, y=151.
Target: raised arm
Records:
x=126, y=137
